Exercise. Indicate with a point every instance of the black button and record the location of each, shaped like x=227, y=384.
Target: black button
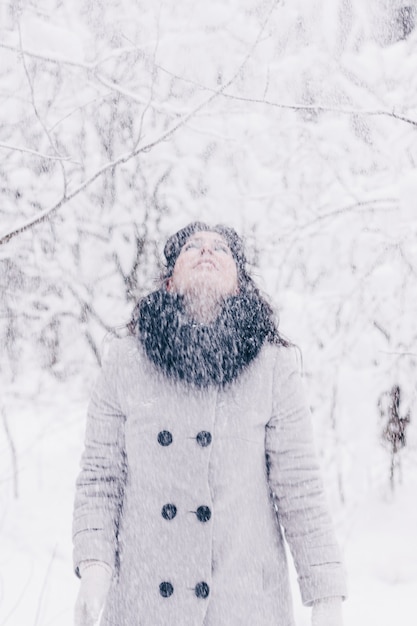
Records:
x=204, y=438
x=203, y=513
x=166, y=589
x=201, y=590
x=165, y=438
x=169, y=511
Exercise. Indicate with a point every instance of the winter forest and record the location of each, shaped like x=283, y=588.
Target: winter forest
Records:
x=294, y=122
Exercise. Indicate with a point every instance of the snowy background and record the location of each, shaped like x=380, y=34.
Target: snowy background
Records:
x=294, y=121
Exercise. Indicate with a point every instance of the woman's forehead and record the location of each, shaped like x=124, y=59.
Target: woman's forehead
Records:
x=207, y=235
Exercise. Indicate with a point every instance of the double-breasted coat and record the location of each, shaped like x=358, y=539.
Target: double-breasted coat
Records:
x=185, y=492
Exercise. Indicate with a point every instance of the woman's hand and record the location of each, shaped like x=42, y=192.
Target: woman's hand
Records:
x=95, y=583
x=327, y=612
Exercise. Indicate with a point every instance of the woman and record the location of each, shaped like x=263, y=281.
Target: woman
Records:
x=198, y=451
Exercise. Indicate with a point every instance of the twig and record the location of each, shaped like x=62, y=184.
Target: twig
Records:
x=48, y=213
x=294, y=106
x=44, y=57
x=126, y=93
x=319, y=108
x=79, y=108
x=51, y=157
x=19, y=600
x=360, y=206
x=45, y=581
x=90, y=67
x=393, y=353
x=151, y=91
x=12, y=453
x=35, y=108
x=87, y=308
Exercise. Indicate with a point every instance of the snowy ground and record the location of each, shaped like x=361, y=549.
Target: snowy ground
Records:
x=37, y=585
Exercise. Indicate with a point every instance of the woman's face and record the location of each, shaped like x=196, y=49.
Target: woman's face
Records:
x=205, y=264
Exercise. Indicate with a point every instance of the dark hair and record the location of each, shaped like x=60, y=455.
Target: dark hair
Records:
x=247, y=286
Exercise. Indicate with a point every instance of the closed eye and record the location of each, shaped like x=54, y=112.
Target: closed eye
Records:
x=197, y=244
x=192, y=244
x=222, y=248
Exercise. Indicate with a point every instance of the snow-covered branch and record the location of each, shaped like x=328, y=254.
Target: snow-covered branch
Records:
x=296, y=106
x=124, y=158
x=56, y=59
x=50, y=157
x=37, y=113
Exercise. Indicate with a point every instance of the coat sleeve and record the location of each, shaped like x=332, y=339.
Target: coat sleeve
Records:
x=100, y=483
x=296, y=486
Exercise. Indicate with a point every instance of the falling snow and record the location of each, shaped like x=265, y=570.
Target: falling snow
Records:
x=295, y=123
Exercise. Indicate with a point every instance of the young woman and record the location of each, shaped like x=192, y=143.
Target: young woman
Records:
x=198, y=453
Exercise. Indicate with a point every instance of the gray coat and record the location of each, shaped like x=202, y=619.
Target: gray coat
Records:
x=184, y=492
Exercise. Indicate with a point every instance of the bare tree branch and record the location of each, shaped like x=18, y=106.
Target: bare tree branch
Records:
x=12, y=452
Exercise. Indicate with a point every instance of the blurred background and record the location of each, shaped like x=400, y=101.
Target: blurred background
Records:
x=294, y=122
